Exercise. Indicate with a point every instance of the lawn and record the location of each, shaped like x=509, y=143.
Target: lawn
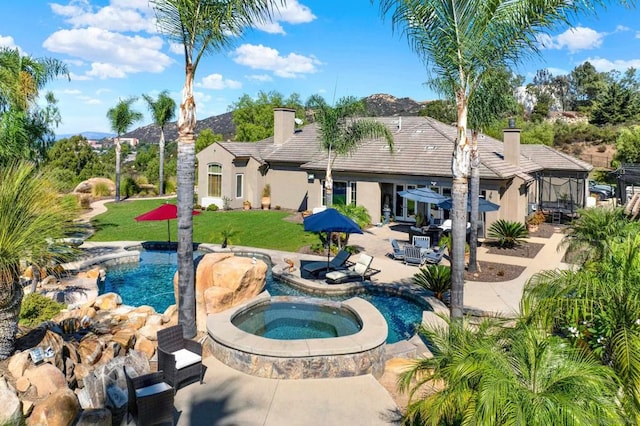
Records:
x=253, y=228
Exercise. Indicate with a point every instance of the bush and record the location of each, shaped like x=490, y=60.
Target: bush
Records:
x=435, y=278
x=85, y=201
x=129, y=187
x=37, y=309
x=63, y=180
x=170, y=186
x=212, y=208
x=508, y=233
x=100, y=189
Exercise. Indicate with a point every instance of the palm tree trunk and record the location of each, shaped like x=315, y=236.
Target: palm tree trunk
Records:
x=118, y=152
x=459, y=193
x=474, y=194
x=186, y=180
x=10, y=300
x=161, y=144
x=328, y=184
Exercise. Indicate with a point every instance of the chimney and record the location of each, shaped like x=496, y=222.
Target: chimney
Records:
x=511, y=138
x=283, y=124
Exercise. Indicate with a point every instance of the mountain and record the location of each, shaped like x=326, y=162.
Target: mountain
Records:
x=378, y=105
x=88, y=135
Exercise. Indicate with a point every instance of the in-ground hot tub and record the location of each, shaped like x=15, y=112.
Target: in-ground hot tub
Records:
x=310, y=338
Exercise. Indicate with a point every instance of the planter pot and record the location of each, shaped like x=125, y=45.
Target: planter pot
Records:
x=266, y=203
x=532, y=228
x=246, y=206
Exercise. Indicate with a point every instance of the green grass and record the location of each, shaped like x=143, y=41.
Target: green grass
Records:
x=253, y=228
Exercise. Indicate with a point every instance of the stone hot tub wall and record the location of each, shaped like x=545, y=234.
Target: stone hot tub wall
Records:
x=354, y=355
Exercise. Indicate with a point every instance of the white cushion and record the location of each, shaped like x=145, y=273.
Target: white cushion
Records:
x=334, y=275
x=185, y=358
x=151, y=390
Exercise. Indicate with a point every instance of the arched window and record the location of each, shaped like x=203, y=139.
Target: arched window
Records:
x=214, y=180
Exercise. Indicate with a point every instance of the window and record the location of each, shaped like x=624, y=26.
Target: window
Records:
x=214, y=180
x=343, y=192
x=239, y=185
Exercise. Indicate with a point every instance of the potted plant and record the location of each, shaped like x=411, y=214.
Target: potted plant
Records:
x=246, y=205
x=266, y=197
x=534, y=220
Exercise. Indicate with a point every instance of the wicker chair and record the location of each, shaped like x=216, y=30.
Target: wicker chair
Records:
x=150, y=398
x=179, y=358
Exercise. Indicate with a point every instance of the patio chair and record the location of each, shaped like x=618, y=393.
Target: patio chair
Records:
x=398, y=253
x=413, y=255
x=338, y=262
x=149, y=398
x=435, y=257
x=360, y=271
x=422, y=242
x=179, y=358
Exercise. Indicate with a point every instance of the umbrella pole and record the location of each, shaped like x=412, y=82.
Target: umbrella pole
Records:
x=328, y=249
x=169, y=231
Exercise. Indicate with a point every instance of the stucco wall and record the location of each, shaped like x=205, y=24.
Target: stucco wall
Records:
x=291, y=190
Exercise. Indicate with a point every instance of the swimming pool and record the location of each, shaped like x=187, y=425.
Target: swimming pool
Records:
x=150, y=282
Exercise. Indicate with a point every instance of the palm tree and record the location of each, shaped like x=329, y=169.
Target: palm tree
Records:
x=33, y=218
x=598, y=307
x=589, y=235
x=489, y=374
x=163, y=110
x=340, y=132
x=461, y=42
x=201, y=27
x=121, y=118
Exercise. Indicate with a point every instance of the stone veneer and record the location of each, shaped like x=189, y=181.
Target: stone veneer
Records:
x=354, y=355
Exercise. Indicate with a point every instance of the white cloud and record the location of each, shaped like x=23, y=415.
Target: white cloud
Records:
x=176, y=48
x=216, y=82
x=7, y=41
x=622, y=28
x=259, y=77
x=606, y=65
x=69, y=92
x=573, y=39
x=291, y=13
x=266, y=58
x=111, y=54
x=120, y=15
x=78, y=77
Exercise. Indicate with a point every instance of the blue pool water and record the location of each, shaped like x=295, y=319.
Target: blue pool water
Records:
x=151, y=283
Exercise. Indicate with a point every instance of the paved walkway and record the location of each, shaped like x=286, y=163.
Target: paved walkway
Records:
x=230, y=397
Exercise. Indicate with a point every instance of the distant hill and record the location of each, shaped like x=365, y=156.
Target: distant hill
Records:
x=378, y=105
x=88, y=135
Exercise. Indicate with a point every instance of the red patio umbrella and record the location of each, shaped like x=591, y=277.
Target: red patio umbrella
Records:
x=164, y=212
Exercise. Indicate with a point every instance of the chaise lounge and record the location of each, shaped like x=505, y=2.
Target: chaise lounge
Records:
x=360, y=271
x=313, y=269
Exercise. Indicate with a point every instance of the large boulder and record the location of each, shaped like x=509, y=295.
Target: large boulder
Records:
x=224, y=280
x=46, y=378
x=59, y=409
x=11, y=412
x=86, y=187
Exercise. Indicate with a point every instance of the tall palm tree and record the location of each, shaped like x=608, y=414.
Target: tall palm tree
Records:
x=163, y=110
x=33, y=218
x=121, y=117
x=461, y=42
x=598, y=307
x=341, y=132
x=200, y=26
x=492, y=375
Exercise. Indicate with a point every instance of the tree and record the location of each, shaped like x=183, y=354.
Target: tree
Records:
x=75, y=154
x=341, y=132
x=597, y=308
x=461, y=42
x=561, y=85
x=613, y=106
x=494, y=375
x=163, y=110
x=254, y=117
x=628, y=145
x=34, y=219
x=121, y=118
x=207, y=137
x=586, y=84
x=440, y=109
x=200, y=27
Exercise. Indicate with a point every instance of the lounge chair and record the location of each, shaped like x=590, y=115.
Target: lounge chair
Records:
x=360, y=271
x=413, y=255
x=398, y=253
x=338, y=262
x=436, y=256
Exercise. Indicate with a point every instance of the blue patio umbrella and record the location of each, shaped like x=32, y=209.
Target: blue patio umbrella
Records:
x=330, y=220
x=422, y=195
x=483, y=205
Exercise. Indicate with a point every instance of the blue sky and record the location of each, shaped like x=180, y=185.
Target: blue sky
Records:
x=314, y=46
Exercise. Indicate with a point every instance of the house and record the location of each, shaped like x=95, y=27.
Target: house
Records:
x=517, y=177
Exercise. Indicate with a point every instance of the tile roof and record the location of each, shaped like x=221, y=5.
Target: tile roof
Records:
x=422, y=147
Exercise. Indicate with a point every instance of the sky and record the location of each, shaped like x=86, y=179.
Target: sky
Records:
x=114, y=51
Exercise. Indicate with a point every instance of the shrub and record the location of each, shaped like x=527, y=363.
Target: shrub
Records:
x=226, y=203
x=37, y=308
x=508, y=233
x=435, y=278
x=129, y=187
x=212, y=208
x=63, y=180
x=85, y=201
x=100, y=189
x=170, y=186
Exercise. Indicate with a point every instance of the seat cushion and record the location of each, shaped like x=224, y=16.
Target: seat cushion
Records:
x=185, y=358
x=151, y=390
